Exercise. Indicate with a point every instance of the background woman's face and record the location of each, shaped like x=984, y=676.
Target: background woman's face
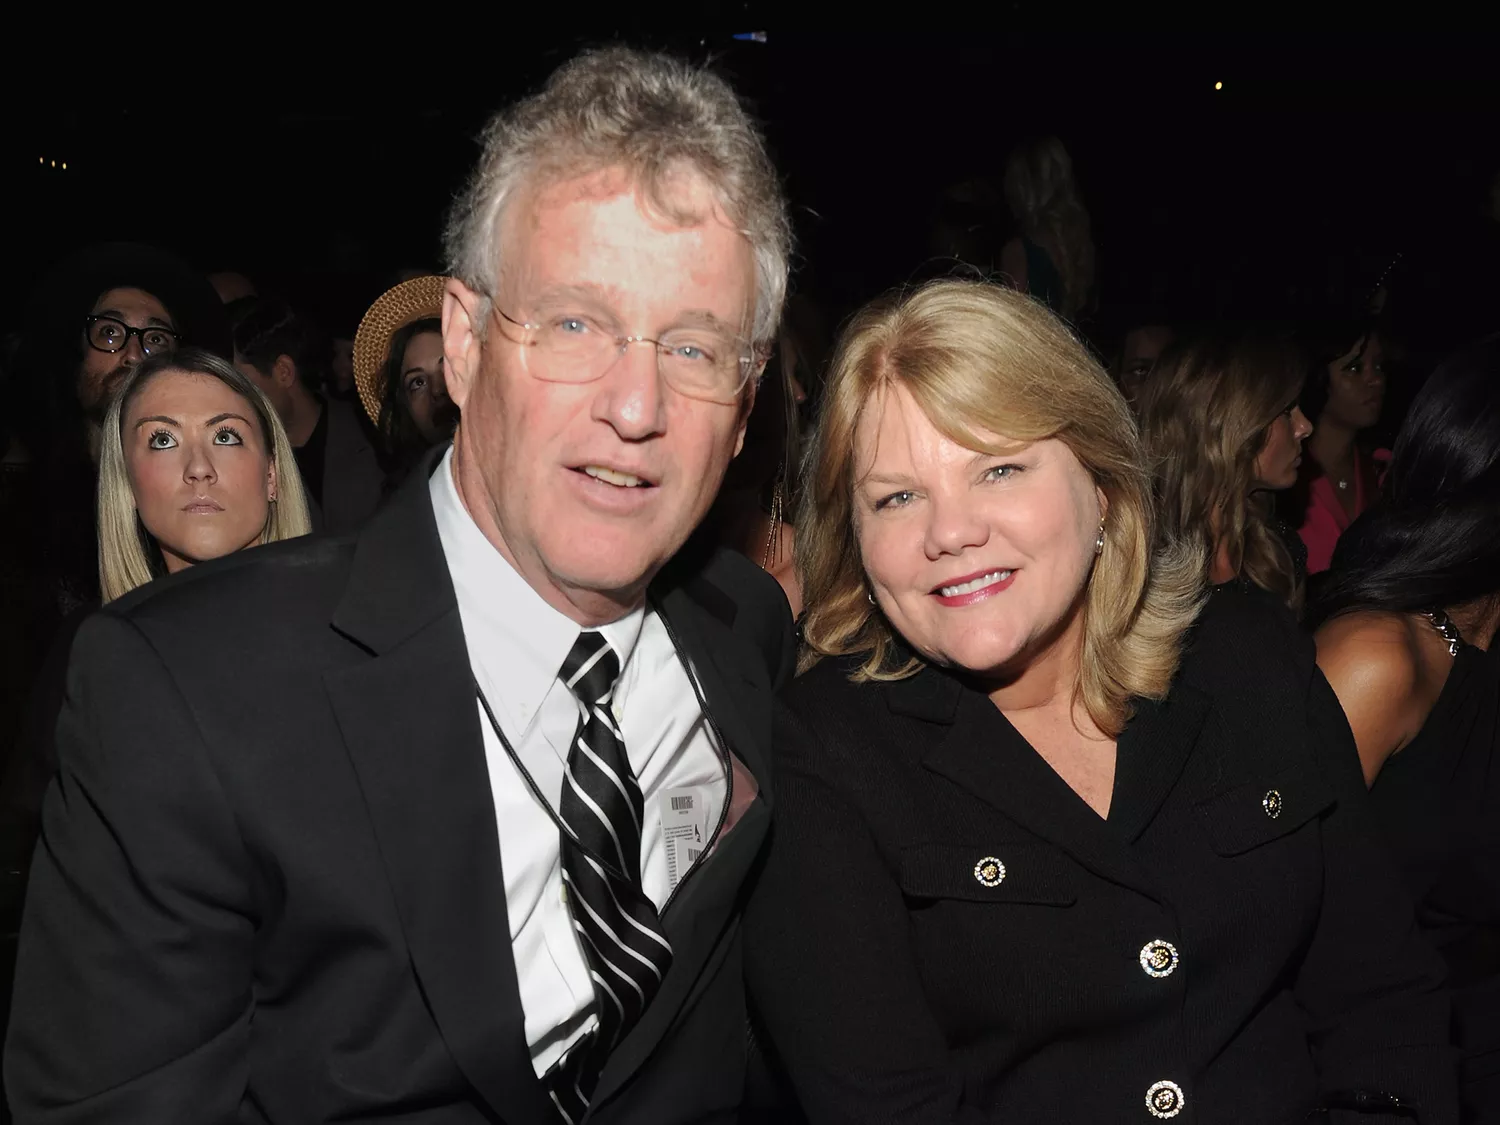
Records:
x=1356, y=385
x=424, y=387
x=976, y=559
x=198, y=466
x=1280, y=456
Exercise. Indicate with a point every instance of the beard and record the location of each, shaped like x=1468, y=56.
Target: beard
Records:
x=95, y=392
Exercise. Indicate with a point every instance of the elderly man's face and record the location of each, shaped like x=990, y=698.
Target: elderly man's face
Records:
x=101, y=371
x=589, y=488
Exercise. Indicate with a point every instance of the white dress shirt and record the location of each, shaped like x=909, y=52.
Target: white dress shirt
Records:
x=517, y=644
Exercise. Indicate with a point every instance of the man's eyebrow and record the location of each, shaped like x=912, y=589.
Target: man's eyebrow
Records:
x=151, y=321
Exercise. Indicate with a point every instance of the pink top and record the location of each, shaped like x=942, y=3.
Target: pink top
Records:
x=1326, y=519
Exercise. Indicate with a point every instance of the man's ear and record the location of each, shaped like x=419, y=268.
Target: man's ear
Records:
x=284, y=371
x=463, y=324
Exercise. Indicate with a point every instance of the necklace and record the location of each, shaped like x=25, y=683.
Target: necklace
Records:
x=1446, y=629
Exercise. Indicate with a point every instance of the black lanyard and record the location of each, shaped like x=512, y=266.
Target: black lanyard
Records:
x=717, y=737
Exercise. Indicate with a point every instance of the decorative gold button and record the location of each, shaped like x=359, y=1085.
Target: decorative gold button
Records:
x=1165, y=1099
x=1159, y=958
x=1271, y=802
x=989, y=871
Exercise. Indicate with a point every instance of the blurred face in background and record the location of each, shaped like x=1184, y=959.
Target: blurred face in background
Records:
x=1356, y=386
x=426, y=391
x=1140, y=349
x=111, y=350
x=1280, y=457
x=343, y=365
x=199, y=467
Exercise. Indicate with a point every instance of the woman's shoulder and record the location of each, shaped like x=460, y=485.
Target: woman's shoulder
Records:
x=1375, y=655
x=1245, y=638
x=1243, y=617
x=830, y=685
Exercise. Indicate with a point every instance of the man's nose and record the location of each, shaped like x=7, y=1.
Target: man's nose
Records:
x=632, y=395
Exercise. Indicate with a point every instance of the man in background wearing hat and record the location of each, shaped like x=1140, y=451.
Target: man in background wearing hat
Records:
x=453, y=820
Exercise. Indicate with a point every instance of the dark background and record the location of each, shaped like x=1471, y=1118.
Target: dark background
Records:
x=320, y=167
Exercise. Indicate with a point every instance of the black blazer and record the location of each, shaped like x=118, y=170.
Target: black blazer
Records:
x=269, y=883
x=945, y=932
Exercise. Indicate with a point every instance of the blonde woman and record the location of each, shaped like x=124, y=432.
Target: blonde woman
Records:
x=1223, y=432
x=1058, y=839
x=193, y=465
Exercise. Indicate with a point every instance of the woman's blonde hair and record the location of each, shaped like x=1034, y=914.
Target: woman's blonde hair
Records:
x=1205, y=410
x=980, y=361
x=128, y=555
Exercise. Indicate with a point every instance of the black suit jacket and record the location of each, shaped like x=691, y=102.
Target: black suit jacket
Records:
x=903, y=979
x=269, y=882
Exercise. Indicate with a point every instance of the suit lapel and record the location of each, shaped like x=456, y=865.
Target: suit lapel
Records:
x=738, y=693
x=985, y=756
x=410, y=722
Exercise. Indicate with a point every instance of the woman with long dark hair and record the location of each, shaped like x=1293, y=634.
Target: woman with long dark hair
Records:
x=1406, y=626
x=398, y=370
x=1344, y=397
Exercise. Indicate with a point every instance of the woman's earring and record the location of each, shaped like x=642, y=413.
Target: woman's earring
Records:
x=1099, y=543
x=871, y=595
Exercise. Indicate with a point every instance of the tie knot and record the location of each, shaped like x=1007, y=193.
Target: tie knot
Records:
x=591, y=669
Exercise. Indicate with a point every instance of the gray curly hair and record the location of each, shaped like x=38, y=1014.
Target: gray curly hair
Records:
x=648, y=114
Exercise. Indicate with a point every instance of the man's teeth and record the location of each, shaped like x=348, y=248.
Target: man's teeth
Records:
x=975, y=584
x=610, y=476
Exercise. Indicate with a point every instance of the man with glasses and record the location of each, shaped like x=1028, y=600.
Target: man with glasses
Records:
x=125, y=326
x=453, y=820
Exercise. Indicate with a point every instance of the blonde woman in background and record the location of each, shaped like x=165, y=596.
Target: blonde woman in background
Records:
x=1052, y=255
x=1051, y=844
x=194, y=464
x=1223, y=432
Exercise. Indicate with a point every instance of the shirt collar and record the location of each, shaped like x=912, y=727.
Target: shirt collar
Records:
x=517, y=642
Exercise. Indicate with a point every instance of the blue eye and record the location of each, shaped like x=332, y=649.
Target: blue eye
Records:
x=227, y=435
x=1002, y=472
x=161, y=439
x=894, y=500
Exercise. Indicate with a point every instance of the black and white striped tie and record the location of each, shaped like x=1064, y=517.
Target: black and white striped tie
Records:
x=617, y=924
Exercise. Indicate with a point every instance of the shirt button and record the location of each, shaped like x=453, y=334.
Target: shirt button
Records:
x=1271, y=802
x=989, y=871
x=1165, y=1099
x=1159, y=958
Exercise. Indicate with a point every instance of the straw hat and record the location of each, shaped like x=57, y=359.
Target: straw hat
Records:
x=393, y=310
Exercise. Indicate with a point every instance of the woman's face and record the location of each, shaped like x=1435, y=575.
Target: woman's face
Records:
x=422, y=383
x=1356, y=386
x=202, y=476
x=1281, y=452
x=978, y=560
